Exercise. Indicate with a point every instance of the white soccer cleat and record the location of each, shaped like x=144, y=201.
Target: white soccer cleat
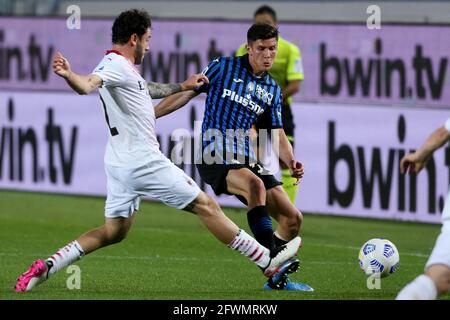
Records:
x=281, y=255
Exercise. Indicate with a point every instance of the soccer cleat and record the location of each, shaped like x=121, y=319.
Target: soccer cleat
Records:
x=279, y=279
x=280, y=255
x=37, y=273
x=288, y=285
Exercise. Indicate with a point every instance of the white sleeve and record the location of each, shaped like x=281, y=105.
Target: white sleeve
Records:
x=447, y=124
x=110, y=71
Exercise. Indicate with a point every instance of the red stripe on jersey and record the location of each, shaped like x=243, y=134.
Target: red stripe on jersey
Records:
x=113, y=51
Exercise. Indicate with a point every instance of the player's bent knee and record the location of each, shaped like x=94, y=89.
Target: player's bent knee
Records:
x=115, y=235
x=205, y=206
x=299, y=218
x=294, y=221
x=443, y=283
x=440, y=274
x=256, y=187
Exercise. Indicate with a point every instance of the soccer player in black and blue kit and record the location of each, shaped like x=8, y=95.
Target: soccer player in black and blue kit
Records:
x=239, y=91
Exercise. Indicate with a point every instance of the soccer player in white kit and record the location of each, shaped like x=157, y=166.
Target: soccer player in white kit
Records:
x=134, y=164
x=436, y=279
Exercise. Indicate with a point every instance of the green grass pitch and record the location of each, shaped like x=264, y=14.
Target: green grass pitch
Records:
x=169, y=254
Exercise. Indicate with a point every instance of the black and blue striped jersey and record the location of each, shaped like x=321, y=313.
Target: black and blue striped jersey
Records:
x=235, y=99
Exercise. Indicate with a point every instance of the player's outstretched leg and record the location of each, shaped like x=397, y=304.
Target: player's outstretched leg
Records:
x=113, y=231
x=289, y=220
x=436, y=280
x=229, y=233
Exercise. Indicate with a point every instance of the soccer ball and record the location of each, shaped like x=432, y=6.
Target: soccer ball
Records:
x=379, y=257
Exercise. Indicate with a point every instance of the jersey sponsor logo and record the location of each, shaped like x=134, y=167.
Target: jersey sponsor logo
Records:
x=141, y=85
x=249, y=104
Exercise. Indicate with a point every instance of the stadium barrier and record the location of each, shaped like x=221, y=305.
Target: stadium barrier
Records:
x=368, y=97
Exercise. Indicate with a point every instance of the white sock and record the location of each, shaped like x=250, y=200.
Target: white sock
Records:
x=421, y=288
x=65, y=256
x=251, y=248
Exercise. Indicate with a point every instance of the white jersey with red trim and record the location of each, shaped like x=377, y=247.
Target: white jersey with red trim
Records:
x=128, y=111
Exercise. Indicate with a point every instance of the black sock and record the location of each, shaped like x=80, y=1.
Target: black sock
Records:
x=278, y=242
x=261, y=225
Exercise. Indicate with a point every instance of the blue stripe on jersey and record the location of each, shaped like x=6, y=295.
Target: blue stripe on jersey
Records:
x=274, y=110
x=223, y=105
x=229, y=114
x=235, y=98
x=212, y=98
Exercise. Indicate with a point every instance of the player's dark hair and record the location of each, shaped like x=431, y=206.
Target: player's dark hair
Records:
x=261, y=31
x=266, y=9
x=128, y=23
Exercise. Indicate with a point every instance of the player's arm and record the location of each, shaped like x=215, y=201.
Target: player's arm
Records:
x=79, y=83
x=286, y=154
x=198, y=83
x=162, y=90
x=416, y=161
x=291, y=88
x=294, y=72
x=174, y=102
x=242, y=50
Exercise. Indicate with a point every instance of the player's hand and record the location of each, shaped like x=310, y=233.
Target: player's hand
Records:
x=194, y=82
x=61, y=66
x=297, y=170
x=412, y=163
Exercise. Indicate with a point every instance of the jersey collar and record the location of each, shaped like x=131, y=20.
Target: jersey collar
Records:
x=248, y=66
x=113, y=51
x=120, y=54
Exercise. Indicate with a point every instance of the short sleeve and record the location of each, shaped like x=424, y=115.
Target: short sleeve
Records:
x=295, y=64
x=241, y=51
x=447, y=125
x=111, y=72
x=213, y=72
x=277, y=123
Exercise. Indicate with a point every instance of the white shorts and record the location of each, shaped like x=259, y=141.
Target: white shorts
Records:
x=441, y=250
x=159, y=179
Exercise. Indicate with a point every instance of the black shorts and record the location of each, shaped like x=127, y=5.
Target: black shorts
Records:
x=265, y=122
x=215, y=175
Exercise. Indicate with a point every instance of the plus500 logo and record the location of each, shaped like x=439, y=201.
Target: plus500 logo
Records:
x=244, y=101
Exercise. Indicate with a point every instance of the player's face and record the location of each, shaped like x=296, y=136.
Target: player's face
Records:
x=265, y=18
x=262, y=53
x=142, y=46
